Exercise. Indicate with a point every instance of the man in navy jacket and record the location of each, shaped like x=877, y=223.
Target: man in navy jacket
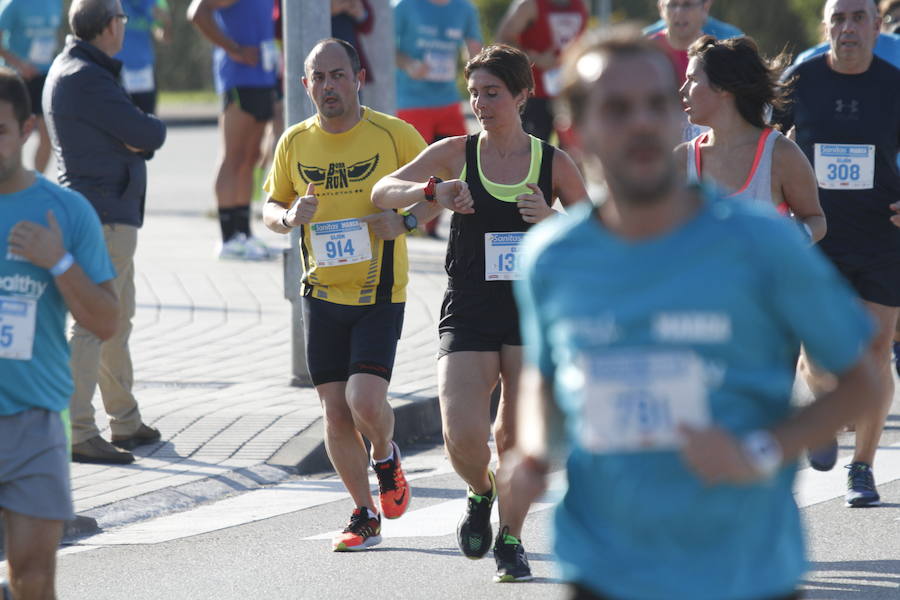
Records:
x=102, y=142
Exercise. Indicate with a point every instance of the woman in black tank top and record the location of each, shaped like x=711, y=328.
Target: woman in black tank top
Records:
x=498, y=183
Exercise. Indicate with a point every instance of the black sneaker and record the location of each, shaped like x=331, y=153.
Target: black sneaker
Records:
x=512, y=564
x=474, y=531
x=861, y=486
x=362, y=532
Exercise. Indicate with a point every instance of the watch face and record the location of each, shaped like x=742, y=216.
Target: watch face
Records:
x=410, y=221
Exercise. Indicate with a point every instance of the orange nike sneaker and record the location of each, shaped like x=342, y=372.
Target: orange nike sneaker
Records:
x=393, y=491
x=362, y=532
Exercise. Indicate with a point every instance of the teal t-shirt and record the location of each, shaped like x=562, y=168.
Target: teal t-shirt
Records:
x=434, y=34
x=29, y=30
x=32, y=311
x=714, y=310
x=137, y=46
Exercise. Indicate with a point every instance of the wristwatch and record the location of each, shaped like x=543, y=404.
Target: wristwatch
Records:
x=409, y=220
x=431, y=186
x=763, y=451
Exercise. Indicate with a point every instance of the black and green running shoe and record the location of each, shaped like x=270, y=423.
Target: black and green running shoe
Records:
x=512, y=564
x=474, y=533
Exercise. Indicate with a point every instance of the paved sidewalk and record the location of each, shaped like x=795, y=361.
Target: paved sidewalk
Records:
x=212, y=357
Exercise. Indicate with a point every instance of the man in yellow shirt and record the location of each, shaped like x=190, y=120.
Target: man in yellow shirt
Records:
x=355, y=271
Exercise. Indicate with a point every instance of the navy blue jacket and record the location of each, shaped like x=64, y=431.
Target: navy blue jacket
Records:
x=91, y=118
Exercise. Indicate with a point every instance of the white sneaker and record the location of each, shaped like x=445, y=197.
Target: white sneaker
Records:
x=255, y=249
x=233, y=249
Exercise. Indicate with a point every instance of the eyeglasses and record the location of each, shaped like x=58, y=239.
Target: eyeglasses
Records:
x=121, y=17
x=673, y=6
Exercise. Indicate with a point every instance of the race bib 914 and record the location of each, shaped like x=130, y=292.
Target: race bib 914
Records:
x=340, y=242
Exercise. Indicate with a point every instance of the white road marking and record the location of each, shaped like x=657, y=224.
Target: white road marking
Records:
x=433, y=521
x=439, y=519
x=252, y=506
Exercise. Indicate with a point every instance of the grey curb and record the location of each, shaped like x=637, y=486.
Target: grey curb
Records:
x=415, y=417
x=173, y=499
x=305, y=452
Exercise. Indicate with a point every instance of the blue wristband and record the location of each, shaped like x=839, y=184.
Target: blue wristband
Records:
x=63, y=265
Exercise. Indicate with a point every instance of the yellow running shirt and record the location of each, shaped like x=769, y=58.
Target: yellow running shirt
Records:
x=342, y=262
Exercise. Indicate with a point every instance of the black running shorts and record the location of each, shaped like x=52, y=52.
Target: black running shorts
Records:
x=878, y=283
x=344, y=340
x=258, y=102
x=478, y=321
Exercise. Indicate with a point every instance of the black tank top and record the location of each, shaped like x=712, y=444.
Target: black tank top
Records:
x=465, y=249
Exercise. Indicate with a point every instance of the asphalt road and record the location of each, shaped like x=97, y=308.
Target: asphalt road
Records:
x=274, y=544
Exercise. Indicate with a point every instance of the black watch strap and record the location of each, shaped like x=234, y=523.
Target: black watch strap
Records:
x=409, y=220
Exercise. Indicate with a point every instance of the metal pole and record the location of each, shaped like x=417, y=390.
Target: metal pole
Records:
x=305, y=22
x=602, y=9
x=380, y=49
x=605, y=11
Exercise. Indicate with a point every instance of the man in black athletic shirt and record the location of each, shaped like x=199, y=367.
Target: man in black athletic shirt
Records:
x=846, y=112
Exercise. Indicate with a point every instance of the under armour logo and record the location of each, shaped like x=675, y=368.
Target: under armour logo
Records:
x=840, y=105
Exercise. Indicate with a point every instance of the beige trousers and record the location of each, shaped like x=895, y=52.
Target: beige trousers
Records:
x=107, y=363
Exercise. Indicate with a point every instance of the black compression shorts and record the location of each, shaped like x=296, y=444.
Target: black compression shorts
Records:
x=344, y=340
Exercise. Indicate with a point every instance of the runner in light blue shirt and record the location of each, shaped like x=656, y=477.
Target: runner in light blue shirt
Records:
x=661, y=330
x=146, y=19
x=432, y=31
x=29, y=44
x=29, y=34
x=52, y=259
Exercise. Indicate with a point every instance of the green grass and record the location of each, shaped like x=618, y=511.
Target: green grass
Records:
x=188, y=97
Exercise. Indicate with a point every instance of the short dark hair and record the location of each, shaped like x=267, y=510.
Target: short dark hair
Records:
x=618, y=41
x=509, y=65
x=13, y=90
x=735, y=65
x=88, y=18
x=352, y=54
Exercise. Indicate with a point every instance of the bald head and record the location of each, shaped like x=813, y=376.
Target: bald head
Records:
x=870, y=6
x=322, y=45
x=88, y=18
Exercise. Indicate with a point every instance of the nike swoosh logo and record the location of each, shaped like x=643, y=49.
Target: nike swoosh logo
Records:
x=399, y=501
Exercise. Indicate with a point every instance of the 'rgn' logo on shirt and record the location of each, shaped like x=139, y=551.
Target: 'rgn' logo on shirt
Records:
x=337, y=175
x=697, y=327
